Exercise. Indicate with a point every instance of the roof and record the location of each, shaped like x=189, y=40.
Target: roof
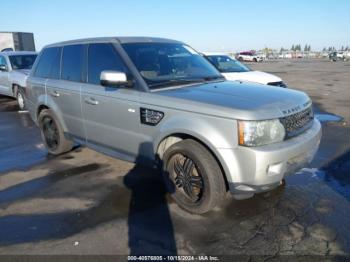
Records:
x=122, y=40
x=10, y=53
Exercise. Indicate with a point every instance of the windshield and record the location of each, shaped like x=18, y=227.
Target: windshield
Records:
x=226, y=64
x=164, y=64
x=22, y=61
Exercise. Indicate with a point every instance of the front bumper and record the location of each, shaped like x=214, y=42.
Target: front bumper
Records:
x=258, y=169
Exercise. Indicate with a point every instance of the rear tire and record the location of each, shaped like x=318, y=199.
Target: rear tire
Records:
x=193, y=177
x=52, y=133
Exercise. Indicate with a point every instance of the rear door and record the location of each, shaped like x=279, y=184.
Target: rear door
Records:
x=63, y=87
x=36, y=83
x=4, y=78
x=112, y=115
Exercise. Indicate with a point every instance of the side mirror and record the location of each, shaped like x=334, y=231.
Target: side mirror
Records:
x=3, y=68
x=114, y=78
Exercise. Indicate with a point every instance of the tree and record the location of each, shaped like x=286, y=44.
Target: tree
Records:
x=306, y=48
x=324, y=49
x=293, y=48
x=309, y=48
x=342, y=48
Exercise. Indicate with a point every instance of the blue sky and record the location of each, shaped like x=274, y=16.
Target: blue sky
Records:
x=206, y=25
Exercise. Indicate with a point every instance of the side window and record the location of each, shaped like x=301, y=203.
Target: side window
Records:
x=102, y=57
x=56, y=65
x=72, y=59
x=3, y=61
x=45, y=62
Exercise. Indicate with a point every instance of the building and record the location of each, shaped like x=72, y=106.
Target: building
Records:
x=17, y=41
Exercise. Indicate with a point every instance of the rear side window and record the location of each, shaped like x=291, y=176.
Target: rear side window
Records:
x=72, y=60
x=102, y=57
x=45, y=62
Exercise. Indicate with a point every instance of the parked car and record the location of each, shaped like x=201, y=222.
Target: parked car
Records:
x=233, y=70
x=262, y=56
x=333, y=56
x=158, y=101
x=249, y=57
x=337, y=56
x=14, y=70
x=347, y=55
x=344, y=56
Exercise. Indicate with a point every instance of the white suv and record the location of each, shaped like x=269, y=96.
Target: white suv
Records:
x=249, y=57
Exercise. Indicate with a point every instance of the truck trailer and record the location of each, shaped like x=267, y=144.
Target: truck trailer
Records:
x=16, y=41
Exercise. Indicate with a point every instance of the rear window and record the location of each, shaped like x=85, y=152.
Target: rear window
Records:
x=45, y=62
x=72, y=60
x=22, y=61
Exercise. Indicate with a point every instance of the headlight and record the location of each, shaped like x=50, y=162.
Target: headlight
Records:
x=258, y=133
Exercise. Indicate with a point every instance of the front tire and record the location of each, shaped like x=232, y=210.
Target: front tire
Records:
x=52, y=133
x=193, y=177
x=20, y=99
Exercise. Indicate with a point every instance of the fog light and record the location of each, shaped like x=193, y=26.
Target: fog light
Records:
x=275, y=169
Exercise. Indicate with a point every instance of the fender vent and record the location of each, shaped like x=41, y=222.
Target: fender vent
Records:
x=150, y=117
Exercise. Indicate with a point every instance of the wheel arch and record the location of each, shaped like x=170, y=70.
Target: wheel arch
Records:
x=14, y=89
x=168, y=140
x=41, y=108
x=55, y=110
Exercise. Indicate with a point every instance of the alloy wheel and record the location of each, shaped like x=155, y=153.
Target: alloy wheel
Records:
x=187, y=178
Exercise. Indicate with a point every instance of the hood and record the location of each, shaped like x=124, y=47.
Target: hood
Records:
x=19, y=76
x=252, y=76
x=23, y=71
x=236, y=100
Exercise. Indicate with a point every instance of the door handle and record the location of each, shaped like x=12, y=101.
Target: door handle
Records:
x=55, y=94
x=91, y=101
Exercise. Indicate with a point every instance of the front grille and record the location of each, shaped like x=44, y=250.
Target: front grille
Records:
x=279, y=83
x=298, y=123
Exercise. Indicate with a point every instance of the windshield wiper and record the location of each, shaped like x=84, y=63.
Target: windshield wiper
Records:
x=174, y=82
x=211, y=78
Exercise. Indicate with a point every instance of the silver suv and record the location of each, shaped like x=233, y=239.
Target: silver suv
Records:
x=14, y=70
x=158, y=101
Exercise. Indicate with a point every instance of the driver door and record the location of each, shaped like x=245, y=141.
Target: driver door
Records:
x=111, y=114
